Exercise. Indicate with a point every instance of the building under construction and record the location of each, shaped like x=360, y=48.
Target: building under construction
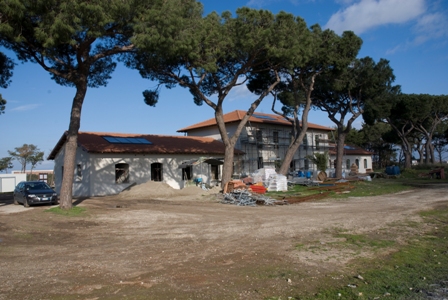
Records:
x=266, y=144
x=265, y=140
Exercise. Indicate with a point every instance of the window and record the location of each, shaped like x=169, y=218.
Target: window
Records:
x=187, y=173
x=275, y=137
x=305, y=142
x=292, y=165
x=307, y=164
x=259, y=138
x=365, y=164
x=43, y=177
x=215, y=172
x=347, y=164
x=156, y=172
x=260, y=162
x=357, y=163
x=78, y=172
x=121, y=173
x=316, y=139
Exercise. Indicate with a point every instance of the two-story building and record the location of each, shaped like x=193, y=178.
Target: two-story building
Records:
x=265, y=140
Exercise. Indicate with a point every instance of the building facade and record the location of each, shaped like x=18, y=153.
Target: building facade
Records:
x=108, y=163
x=265, y=140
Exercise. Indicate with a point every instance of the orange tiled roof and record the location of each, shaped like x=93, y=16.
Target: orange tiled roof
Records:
x=237, y=116
x=94, y=142
x=350, y=150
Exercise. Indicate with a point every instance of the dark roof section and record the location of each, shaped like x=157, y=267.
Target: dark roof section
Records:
x=350, y=150
x=94, y=142
x=237, y=116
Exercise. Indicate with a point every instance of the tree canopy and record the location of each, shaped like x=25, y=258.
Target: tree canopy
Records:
x=223, y=53
x=6, y=67
x=5, y=164
x=344, y=93
x=295, y=92
x=76, y=42
x=25, y=154
x=414, y=119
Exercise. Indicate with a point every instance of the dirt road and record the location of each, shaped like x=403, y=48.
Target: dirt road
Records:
x=189, y=246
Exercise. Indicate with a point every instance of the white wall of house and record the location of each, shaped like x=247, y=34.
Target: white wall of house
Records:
x=212, y=132
x=271, y=152
x=95, y=174
x=364, y=163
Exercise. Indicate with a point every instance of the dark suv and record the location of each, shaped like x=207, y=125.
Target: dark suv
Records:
x=34, y=192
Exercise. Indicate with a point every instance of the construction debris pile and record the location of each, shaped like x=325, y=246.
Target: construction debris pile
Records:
x=247, y=198
x=250, y=190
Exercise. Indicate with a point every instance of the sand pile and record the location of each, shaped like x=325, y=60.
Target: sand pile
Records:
x=161, y=190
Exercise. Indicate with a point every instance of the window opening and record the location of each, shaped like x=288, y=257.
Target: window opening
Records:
x=305, y=142
x=121, y=173
x=260, y=162
x=292, y=165
x=78, y=172
x=43, y=177
x=187, y=173
x=259, y=137
x=347, y=164
x=316, y=139
x=156, y=172
x=275, y=137
x=215, y=172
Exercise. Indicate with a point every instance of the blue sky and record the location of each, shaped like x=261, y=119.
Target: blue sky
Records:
x=411, y=34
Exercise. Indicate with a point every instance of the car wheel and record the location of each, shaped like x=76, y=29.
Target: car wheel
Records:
x=25, y=203
x=15, y=201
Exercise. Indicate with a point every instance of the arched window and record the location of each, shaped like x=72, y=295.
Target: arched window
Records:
x=365, y=163
x=357, y=163
x=347, y=164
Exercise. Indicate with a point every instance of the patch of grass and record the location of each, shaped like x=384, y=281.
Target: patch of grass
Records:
x=408, y=273
x=361, y=240
x=75, y=211
x=24, y=235
x=375, y=187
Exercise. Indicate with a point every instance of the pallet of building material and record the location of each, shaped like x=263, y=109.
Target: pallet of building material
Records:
x=259, y=189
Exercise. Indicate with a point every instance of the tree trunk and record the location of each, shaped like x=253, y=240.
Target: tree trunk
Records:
x=339, y=152
x=407, y=152
x=71, y=145
x=227, y=168
x=428, y=157
x=294, y=145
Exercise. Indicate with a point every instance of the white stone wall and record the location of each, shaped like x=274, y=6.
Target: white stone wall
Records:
x=98, y=171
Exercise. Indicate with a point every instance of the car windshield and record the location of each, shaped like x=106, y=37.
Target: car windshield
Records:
x=37, y=186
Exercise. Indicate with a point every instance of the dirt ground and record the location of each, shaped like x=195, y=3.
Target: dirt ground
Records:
x=153, y=242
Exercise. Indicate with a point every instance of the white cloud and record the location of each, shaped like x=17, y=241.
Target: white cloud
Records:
x=25, y=107
x=241, y=92
x=367, y=14
x=259, y=3
x=431, y=26
x=263, y=3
